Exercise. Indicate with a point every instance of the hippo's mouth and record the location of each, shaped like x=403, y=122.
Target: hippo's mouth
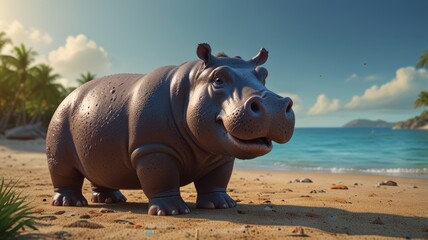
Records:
x=260, y=145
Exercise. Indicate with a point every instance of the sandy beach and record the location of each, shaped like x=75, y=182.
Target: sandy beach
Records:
x=271, y=205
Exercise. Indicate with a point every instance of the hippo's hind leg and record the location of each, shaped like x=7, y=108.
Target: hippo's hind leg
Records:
x=106, y=195
x=67, y=184
x=211, y=188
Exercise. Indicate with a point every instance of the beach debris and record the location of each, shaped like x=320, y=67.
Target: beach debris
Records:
x=59, y=212
x=341, y=187
x=149, y=232
x=242, y=211
x=388, y=183
x=306, y=180
x=268, y=208
x=377, y=221
x=85, y=224
x=106, y=210
x=85, y=216
x=123, y=221
x=62, y=235
x=312, y=215
x=48, y=217
x=298, y=232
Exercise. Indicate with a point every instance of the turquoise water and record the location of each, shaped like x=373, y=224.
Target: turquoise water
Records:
x=349, y=150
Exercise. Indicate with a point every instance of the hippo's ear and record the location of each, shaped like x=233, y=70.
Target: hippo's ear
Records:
x=261, y=57
x=204, y=52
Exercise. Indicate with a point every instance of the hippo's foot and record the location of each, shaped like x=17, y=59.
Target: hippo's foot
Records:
x=215, y=200
x=171, y=205
x=106, y=195
x=66, y=197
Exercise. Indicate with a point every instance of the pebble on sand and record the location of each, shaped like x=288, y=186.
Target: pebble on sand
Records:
x=306, y=180
x=342, y=187
x=298, y=231
x=85, y=224
x=388, y=183
x=106, y=210
x=377, y=221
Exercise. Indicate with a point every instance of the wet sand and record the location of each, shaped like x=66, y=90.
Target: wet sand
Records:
x=271, y=205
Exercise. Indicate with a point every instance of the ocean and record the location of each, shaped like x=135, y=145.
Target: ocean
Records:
x=349, y=150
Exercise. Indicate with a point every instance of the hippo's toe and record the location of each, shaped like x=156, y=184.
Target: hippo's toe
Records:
x=69, y=198
x=108, y=196
x=162, y=206
x=215, y=200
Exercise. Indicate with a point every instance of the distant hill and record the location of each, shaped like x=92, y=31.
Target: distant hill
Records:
x=418, y=122
x=365, y=123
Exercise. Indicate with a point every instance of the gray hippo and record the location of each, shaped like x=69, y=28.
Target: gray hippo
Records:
x=165, y=129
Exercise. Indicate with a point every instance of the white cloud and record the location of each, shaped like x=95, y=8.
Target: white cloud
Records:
x=353, y=76
x=371, y=78
x=324, y=105
x=297, y=108
x=399, y=93
x=79, y=55
x=29, y=36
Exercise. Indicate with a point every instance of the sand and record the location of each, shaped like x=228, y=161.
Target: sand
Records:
x=270, y=206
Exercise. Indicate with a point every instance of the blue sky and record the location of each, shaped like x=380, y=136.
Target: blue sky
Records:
x=338, y=60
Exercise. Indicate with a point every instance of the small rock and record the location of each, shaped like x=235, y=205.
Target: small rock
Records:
x=388, y=183
x=321, y=191
x=306, y=180
x=59, y=212
x=49, y=217
x=85, y=216
x=377, y=221
x=305, y=196
x=312, y=215
x=123, y=221
x=138, y=226
x=267, y=202
x=106, y=210
x=355, y=184
x=342, y=187
x=85, y=224
x=268, y=208
x=62, y=235
x=298, y=231
x=296, y=180
x=414, y=186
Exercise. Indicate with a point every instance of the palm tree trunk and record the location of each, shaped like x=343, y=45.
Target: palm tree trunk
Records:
x=13, y=105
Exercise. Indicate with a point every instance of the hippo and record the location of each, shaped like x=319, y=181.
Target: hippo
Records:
x=165, y=129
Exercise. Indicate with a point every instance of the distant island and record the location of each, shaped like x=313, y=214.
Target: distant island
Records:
x=418, y=122
x=365, y=123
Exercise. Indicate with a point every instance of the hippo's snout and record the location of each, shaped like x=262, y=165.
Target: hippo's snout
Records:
x=262, y=119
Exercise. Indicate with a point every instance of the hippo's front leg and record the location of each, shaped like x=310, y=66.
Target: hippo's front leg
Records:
x=159, y=176
x=211, y=188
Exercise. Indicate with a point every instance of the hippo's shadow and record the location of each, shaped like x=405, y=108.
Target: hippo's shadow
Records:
x=330, y=220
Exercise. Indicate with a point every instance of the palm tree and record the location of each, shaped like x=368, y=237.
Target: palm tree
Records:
x=44, y=94
x=423, y=60
x=84, y=78
x=422, y=100
x=19, y=68
x=3, y=40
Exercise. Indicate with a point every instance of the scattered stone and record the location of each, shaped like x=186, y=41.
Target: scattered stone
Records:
x=268, y=208
x=62, y=235
x=59, y=212
x=296, y=180
x=305, y=196
x=85, y=216
x=72, y=214
x=48, y=217
x=388, y=183
x=138, y=226
x=106, y=210
x=123, y=221
x=342, y=187
x=306, y=180
x=241, y=212
x=85, y=224
x=377, y=221
x=414, y=186
x=298, y=231
x=321, y=191
x=355, y=184
x=267, y=202
x=312, y=215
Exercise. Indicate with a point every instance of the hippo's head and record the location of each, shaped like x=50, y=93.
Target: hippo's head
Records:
x=231, y=112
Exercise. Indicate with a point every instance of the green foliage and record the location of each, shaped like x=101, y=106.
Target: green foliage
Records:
x=423, y=60
x=84, y=78
x=14, y=212
x=422, y=100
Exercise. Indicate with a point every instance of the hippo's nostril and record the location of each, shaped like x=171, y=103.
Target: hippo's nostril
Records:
x=289, y=105
x=255, y=107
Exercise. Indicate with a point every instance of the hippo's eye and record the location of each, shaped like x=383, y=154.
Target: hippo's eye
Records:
x=218, y=82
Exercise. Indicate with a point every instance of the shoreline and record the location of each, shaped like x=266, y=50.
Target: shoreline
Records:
x=271, y=205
